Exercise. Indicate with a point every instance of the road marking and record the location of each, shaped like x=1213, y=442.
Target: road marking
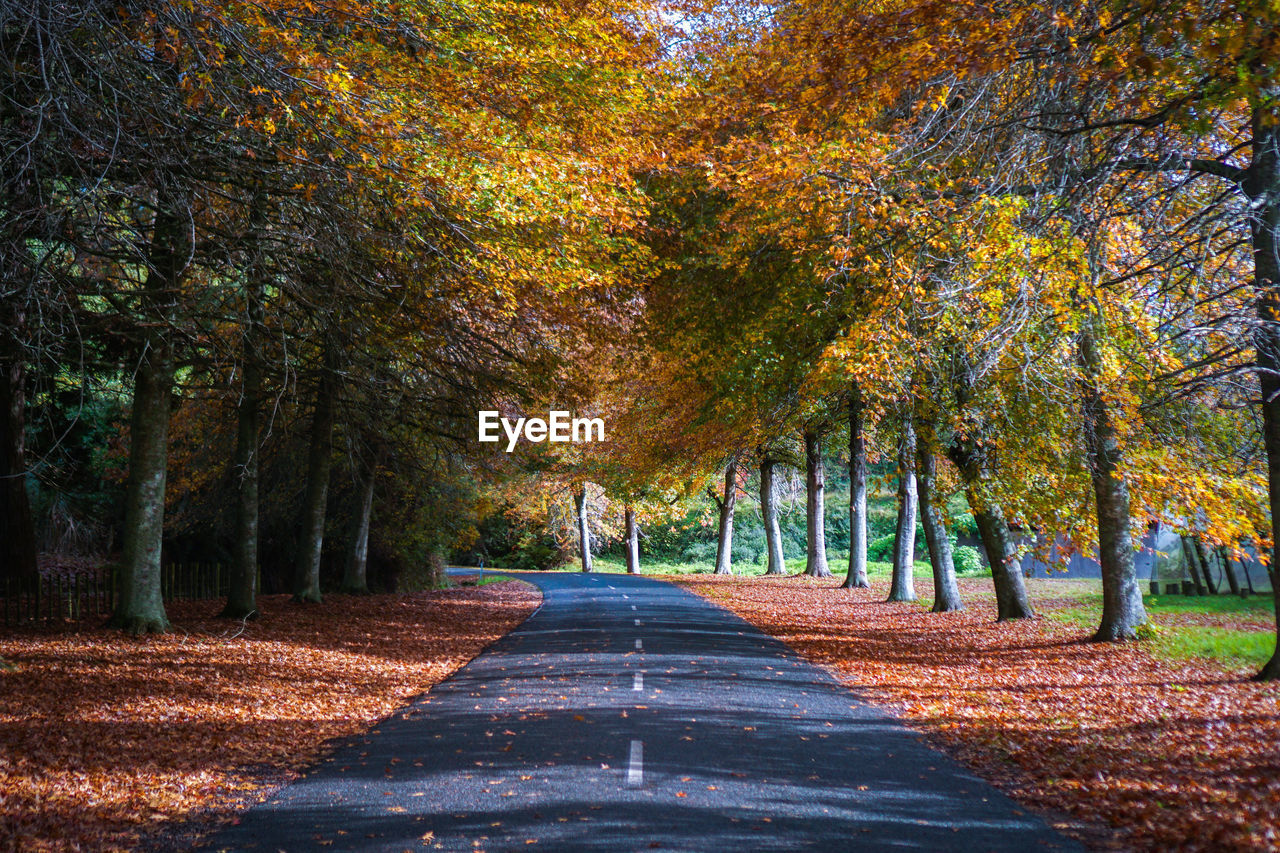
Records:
x=639, y=645
x=624, y=595
x=637, y=621
x=635, y=765
x=637, y=681
x=633, y=607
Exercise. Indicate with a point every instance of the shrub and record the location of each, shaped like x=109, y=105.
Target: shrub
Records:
x=967, y=560
x=880, y=550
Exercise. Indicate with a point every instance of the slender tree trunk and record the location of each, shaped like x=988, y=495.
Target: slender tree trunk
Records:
x=727, y=503
x=1193, y=566
x=584, y=530
x=769, y=511
x=815, y=505
x=139, y=602
x=1012, y=601
x=315, y=503
x=354, y=575
x=1205, y=568
x=946, y=596
x=1122, y=609
x=242, y=601
x=1229, y=570
x=857, y=574
x=969, y=455
x=903, y=586
x=1262, y=186
x=18, y=557
x=633, y=543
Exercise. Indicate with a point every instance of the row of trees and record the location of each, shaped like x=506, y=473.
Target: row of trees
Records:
x=1031, y=250
x=269, y=225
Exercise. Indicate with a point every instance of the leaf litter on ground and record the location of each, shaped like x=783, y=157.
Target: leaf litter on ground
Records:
x=106, y=740
x=1170, y=754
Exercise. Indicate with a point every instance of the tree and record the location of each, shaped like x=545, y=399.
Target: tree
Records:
x=725, y=505
x=815, y=506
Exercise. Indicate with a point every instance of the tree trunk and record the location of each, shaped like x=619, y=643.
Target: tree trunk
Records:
x=139, y=602
x=727, y=503
x=1205, y=568
x=946, y=595
x=584, y=530
x=315, y=503
x=242, y=601
x=1012, y=601
x=769, y=511
x=815, y=506
x=633, y=543
x=140, y=605
x=1122, y=609
x=857, y=574
x=903, y=586
x=1262, y=186
x=354, y=576
x=1229, y=570
x=18, y=552
x=1193, y=565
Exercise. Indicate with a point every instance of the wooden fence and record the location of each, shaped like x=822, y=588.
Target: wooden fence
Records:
x=73, y=596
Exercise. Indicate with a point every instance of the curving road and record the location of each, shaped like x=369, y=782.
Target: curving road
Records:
x=627, y=714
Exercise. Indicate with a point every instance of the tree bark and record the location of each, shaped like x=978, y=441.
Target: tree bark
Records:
x=1205, y=568
x=1262, y=186
x=727, y=503
x=1122, y=608
x=903, y=585
x=355, y=579
x=584, y=530
x=18, y=552
x=633, y=543
x=140, y=602
x=242, y=601
x=1229, y=570
x=769, y=511
x=316, y=500
x=946, y=595
x=857, y=574
x=1193, y=566
x=815, y=506
x=1012, y=601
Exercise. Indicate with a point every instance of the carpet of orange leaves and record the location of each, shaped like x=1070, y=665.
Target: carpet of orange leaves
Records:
x=1171, y=755
x=104, y=740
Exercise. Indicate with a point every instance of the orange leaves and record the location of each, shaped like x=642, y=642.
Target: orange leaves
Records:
x=103, y=739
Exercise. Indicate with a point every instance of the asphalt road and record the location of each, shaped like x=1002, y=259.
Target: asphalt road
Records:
x=627, y=714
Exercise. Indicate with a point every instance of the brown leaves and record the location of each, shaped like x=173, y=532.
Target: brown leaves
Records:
x=102, y=738
x=1173, y=756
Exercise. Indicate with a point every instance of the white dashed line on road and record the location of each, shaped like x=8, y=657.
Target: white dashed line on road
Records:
x=639, y=645
x=637, y=681
x=635, y=764
x=637, y=622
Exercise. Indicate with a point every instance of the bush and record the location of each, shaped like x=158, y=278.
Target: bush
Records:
x=968, y=561
x=880, y=550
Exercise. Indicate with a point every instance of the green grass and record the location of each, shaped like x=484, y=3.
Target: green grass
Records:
x=1229, y=646
x=1254, y=605
x=1233, y=648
